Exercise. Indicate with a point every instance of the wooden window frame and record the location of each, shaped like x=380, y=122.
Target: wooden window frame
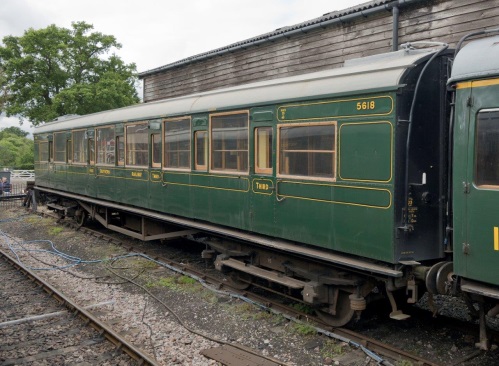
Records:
x=73, y=147
x=258, y=170
x=54, y=146
x=133, y=124
x=210, y=146
x=163, y=154
x=202, y=167
x=39, y=151
x=117, y=150
x=306, y=177
x=153, y=164
x=91, y=142
x=96, y=152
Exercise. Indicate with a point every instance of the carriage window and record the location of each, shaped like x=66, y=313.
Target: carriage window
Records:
x=79, y=147
x=308, y=150
x=137, y=146
x=156, y=150
x=120, y=151
x=91, y=151
x=178, y=144
x=487, y=149
x=60, y=147
x=43, y=151
x=201, y=140
x=229, y=142
x=263, y=150
x=105, y=145
x=69, y=151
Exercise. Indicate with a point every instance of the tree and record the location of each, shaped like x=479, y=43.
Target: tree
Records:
x=56, y=71
x=16, y=151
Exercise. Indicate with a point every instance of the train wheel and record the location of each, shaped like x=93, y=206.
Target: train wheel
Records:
x=80, y=218
x=238, y=280
x=344, y=312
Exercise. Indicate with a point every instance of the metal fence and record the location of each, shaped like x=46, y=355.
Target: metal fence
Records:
x=22, y=174
x=13, y=195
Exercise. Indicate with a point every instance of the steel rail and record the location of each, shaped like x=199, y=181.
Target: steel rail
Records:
x=98, y=325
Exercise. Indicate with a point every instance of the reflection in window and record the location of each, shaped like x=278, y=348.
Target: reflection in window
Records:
x=43, y=151
x=229, y=142
x=156, y=150
x=487, y=148
x=80, y=147
x=137, y=146
x=60, y=147
x=105, y=145
x=201, y=150
x=178, y=144
x=120, y=151
x=91, y=149
x=308, y=150
x=263, y=150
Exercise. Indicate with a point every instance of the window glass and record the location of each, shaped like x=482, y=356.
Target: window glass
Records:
x=156, y=150
x=229, y=142
x=51, y=151
x=201, y=150
x=80, y=144
x=69, y=151
x=178, y=144
x=137, y=146
x=487, y=148
x=307, y=150
x=105, y=145
x=120, y=143
x=91, y=151
x=60, y=147
x=43, y=151
x=263, y=150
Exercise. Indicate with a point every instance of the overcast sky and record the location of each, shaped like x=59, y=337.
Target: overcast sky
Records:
x=154, y=33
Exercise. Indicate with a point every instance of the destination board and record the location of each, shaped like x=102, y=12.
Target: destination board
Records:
x=358, y=107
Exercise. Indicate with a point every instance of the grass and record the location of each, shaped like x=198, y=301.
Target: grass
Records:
x=176, y=283
x=303, y=329
x=332, y=349
x=403, y=363
x=55, y=230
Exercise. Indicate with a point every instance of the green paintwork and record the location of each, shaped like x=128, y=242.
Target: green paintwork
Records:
x=354, y=214
x=475, y=213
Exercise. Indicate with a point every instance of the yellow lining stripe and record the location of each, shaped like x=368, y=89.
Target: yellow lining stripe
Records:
x=477, y=83
x=496, y=238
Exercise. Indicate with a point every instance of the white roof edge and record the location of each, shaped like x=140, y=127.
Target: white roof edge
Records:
x=384, y=73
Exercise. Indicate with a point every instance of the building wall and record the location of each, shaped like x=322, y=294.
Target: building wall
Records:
x=432, y=20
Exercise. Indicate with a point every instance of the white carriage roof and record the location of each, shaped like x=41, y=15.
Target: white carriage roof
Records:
x=477, y=60
x=374, y=72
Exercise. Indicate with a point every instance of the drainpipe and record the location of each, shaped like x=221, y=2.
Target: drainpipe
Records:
x=395, y=34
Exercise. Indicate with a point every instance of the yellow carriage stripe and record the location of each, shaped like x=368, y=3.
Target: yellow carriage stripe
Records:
x=496, y=238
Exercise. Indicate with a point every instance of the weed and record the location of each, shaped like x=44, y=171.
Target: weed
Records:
x=303, y=308
x=303, y=329
x=55, y=230
x=186, y=280
x=332, y=349
x=403, y=363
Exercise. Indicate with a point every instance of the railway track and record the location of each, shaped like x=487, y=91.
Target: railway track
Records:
x=373, y=348
x=40, y=325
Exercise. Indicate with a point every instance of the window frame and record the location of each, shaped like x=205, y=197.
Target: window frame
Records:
x=65, y=144
x=306, y=177
x=258, y=170
x=160, y=164
x=201, y=167
x=475, y=152
x=133, y=124
x=73, y=147
x=96, y=152
x=40, y=151
x=163, y=134
x=210, y=145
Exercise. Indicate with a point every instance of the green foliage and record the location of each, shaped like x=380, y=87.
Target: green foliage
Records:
x=332, y=349
x=16, y=151
x=304, y=329
x=51, y=72
x=55, y=230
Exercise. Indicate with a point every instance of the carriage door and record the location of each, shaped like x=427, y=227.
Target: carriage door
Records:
x=262, y=182
x=481, y=189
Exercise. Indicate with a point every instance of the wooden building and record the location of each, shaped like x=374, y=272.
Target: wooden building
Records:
x=325, y=42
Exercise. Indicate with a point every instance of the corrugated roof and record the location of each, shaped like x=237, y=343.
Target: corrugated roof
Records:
x=342, y=16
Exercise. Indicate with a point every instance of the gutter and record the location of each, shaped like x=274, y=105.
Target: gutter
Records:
x=392, y=6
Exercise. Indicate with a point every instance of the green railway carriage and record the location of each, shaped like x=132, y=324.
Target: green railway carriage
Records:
x=331, y=185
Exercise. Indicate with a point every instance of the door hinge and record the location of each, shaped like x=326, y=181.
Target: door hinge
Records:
x=466, y=248
x=469, y=101
x=466, y=187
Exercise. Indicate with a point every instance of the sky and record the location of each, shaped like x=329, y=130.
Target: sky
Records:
x=154, y=33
